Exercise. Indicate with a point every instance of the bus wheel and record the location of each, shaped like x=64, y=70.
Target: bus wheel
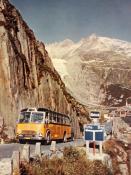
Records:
x=48, y=138
x=64, y=138
x=21, y=141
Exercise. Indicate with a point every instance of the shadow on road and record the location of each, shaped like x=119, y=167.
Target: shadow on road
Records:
x=33, y=142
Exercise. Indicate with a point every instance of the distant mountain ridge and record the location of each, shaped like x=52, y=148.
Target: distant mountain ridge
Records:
x=93, y=67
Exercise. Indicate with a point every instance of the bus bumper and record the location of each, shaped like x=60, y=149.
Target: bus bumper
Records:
x=22, y=137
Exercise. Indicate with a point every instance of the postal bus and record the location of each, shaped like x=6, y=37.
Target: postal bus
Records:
x=42, y=124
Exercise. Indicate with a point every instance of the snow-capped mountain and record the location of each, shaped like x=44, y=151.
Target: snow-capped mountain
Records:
x=94, y=68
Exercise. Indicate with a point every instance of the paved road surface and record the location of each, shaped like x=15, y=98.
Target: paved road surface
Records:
x=6, y=150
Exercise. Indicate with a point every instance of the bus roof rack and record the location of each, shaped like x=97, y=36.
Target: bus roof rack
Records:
x=32, y=109
x=42, y=109
x=24, y=109
x=28, y=109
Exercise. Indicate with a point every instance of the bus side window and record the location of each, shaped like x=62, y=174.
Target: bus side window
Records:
x=58, y=119
x=47, y=117
x=54, y=119
x=68, y=120
x=50, y=117
x=62, y=119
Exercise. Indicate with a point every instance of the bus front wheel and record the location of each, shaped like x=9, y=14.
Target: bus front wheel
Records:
x=22, y=141
x=64, y=138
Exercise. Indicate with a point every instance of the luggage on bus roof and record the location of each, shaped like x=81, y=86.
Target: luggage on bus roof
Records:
x=42, y=109
x=28, y=109
x=23, y=110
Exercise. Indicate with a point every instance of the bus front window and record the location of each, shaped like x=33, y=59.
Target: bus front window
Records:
x=24, y=117
x=36, y=117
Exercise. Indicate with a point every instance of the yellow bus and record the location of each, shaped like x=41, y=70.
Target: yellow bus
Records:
x=43, y=124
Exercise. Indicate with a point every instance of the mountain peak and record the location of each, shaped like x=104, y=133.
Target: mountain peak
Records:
x=93, y=36
x=66, y=42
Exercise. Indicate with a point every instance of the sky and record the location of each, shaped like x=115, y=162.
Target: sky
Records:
x=56, y=20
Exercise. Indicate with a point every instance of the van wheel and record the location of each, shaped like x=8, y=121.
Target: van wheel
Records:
x=48, y=138
x=64, y=138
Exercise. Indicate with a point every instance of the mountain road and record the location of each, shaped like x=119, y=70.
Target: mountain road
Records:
x=6, y=150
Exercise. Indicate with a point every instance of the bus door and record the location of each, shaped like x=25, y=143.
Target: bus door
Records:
x=55, y=126
x=47, y=120
x=51, y=124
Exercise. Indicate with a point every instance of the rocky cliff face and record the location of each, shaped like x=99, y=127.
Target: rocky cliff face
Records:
x=27, y=76
x=97, y=70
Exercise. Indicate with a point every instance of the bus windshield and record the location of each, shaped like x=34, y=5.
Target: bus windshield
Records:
x=24, y=117
x=37, y=117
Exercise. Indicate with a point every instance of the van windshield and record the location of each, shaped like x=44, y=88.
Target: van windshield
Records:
x=24, y=117
x=37, y=117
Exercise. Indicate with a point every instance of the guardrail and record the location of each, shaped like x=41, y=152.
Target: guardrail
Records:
x=25, y=155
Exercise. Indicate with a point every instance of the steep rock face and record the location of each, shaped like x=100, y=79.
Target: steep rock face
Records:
x=96, y=70
x=27, y=76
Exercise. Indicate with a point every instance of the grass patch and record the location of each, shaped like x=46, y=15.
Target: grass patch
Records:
x=74, y=162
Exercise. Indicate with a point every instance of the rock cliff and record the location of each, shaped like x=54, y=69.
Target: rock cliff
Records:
x=27, y=76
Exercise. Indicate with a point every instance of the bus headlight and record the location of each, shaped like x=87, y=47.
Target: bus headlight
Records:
x=39, y=134
x=19, y=131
